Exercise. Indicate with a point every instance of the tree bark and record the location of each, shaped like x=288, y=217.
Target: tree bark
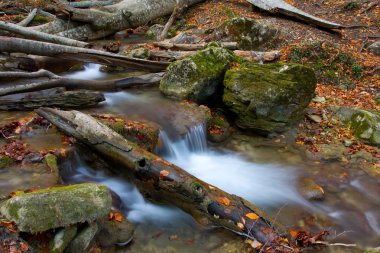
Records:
x=191, y=47
x=280, y=6
x=55, y=81
x=166, y=182
x=80, y=54
x=29, y=18
x=40, y=35
x=57, y=97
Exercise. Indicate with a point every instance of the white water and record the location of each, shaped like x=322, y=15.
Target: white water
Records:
x=90, y=72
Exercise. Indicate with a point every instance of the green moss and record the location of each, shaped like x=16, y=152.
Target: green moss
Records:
x=51, y=161
x=5, y=161
x=366, y=126
x=57, y=207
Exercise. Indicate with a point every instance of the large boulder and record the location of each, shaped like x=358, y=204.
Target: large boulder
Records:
x=248, y=33
x=268, y=98
x=375, y=48
x=57, y=207
x=197, y=77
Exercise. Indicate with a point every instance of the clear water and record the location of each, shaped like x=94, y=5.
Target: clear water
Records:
x=263, y=174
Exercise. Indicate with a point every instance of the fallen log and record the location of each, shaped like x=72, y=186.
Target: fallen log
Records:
x=166, y=182
x=54, y=81
x=11, y=45
x=57, y=97
x=88, y=4
x=249, y=55
x=280, y=6
x=191, y=47
x=30, y=33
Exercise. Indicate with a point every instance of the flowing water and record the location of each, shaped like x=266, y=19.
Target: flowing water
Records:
x=263, y=174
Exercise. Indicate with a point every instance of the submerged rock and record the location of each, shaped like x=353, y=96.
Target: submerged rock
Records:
x=248, y=33
x=218, y=128
x=268, y=98
x=115, y=233
x=57, y=207
x=197, y=77
x=310, y=189
x=84, y=240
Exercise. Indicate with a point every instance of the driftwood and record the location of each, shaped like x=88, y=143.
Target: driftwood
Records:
x=176, y=12
x=191, y=47
x=54, y=81
x=88, y=4
x=75, y=53
x=29, y=18
x=53, y=97
x=166, y=182
x=280, y=6
x=29, y=33
x=249, y=55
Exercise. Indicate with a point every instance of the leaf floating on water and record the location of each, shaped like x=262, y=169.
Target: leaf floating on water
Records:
x=225, y=201
x=252, y=216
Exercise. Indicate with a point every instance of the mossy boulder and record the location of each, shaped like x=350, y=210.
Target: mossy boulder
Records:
x=115, y=233
x=197, y=77
x=56, y=207
x=249, y=34
x=268, y=98
x=366, y=126
x=62, y=238
x=156, y=29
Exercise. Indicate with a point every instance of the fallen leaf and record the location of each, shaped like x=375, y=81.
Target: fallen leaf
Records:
x=225, y=201
x=252, y=216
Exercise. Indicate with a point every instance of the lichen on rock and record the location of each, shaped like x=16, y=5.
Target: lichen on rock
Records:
x=55, y=207
x=268, y=98
x=197, y=77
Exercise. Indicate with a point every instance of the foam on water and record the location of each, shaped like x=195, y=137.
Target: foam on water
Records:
x=91, y=72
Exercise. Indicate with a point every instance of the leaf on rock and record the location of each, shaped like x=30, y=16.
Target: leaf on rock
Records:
x=252, y=216
x=225, y=201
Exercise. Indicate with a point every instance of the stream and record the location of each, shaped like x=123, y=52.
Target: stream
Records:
x=247, y=166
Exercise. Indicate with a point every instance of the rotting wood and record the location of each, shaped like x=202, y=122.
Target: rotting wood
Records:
x=55, y=81
x=11, y=45
x=57, y=97
x=29, y=33
x=280, y=6
x=166, y=182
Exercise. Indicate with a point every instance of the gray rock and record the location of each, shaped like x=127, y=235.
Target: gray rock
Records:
x=62, y=238
x=197, y=77
x=185, y=38
x=84, y=240
x=156, y=29
x=249, y=34
x=375, y=48
x=314, y=118
x=141, y=53
x=366, y=126
x=57, y=207
x=268, y=98
x=310, y=189
x=115, y=233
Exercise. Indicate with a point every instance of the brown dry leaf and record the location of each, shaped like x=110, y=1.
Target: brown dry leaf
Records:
x=293, y=233
x=24, y=246
x=252, y=216
x=240, y=225
x=225, y=201
x=164, y=173
x=118, y=217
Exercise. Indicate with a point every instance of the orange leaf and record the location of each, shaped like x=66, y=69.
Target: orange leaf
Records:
x=225, y=201
x=118, y=217
x=164, y=173
x=293, y=233
x=252, y=216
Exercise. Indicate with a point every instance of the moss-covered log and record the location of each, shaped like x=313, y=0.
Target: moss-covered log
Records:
x=166, y=182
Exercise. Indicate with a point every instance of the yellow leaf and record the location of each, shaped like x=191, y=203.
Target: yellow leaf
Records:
x=252, y=216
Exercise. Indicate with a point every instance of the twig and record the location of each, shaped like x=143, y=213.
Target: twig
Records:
x=29, y=18
x=176, y=12
x=370, y=7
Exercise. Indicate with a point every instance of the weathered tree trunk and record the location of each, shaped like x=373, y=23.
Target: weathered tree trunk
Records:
x=191, y=47
x=280, y=6
x=54, y=81
x=249, y=55
x=54, y=97
x=116, y=17
x=29, y=18
x=80, y=54
x=166, y=182
x=40, y=35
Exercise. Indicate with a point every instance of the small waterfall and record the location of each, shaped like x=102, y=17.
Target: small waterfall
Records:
x=91, y=72
x=193, y=142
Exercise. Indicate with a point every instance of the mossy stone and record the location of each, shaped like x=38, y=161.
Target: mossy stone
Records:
x=62, y=238
x=115, y=233
x=84, y=240
x=197, y=77
x=57, y=207
x=5, y=161
x=366, y=126
x=268, y=98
